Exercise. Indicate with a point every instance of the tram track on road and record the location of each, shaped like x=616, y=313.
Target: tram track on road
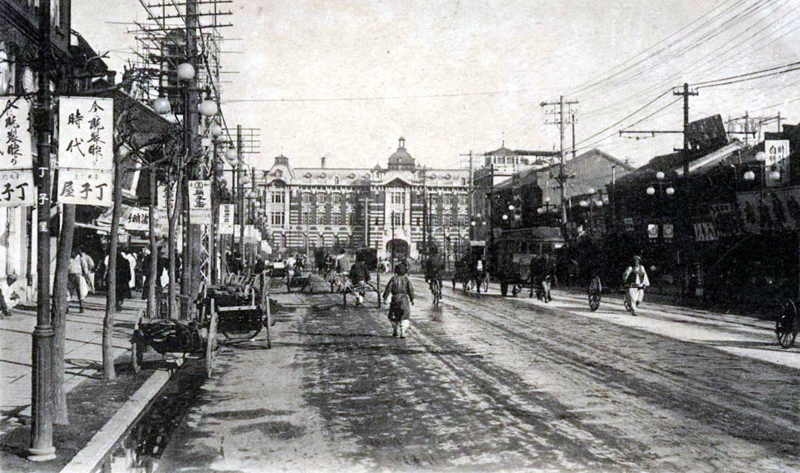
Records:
x=681, y=380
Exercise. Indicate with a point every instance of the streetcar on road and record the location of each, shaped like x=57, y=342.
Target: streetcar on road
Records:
x=513, y=252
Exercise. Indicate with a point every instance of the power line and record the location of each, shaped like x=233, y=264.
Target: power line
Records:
x=378, y=98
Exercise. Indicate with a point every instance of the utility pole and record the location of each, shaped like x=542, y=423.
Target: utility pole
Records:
x=574, y=151
x=43, y=334
x=239, y=158
x=562, y=121
x=424, y=211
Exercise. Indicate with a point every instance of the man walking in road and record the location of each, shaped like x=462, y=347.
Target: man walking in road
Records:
x=635, y=280
x=402, y=294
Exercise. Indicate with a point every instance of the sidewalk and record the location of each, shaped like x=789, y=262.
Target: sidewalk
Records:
x=83, y=355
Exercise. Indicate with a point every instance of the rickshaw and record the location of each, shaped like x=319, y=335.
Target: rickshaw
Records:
x=196, y=338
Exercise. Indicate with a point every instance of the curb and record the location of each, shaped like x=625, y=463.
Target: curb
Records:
x=107, y=437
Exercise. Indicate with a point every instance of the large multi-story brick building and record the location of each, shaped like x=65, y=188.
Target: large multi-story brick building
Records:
x=383, y=208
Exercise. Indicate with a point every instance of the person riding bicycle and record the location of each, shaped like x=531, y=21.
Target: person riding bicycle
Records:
x=635, y=281
x=433, y=267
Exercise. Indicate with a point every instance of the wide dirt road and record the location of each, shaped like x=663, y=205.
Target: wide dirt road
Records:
x=494, y=384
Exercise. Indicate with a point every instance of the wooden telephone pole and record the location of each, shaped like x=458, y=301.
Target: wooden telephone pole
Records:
x=562, y=118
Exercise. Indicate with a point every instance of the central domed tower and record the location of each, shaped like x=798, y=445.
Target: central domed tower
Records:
x=400, y=159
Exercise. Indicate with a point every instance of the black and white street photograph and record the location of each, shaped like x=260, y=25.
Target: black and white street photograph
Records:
x=411, y=236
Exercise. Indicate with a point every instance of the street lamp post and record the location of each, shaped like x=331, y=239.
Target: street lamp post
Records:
x=761, y=157
x=41, y=448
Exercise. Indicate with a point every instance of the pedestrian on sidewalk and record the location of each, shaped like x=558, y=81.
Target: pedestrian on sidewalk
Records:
x=402, y=294
x=635, y=281
x=9, y=295
x=77, y=272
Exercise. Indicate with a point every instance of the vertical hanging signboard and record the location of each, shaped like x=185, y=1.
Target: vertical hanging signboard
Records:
x=16, y=156
x=226, y=219
x=200, y=202
x=85, y=151
x=777, y=160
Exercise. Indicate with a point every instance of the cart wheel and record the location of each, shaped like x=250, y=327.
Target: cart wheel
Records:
x=211, y=342
x=786, y=325
x=503, y=289
x=137, y=354
x=595, y=290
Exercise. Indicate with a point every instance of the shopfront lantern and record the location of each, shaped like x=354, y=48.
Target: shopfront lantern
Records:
x=749, y=176
x=651, y=191
x=670, y=191
x=230, y=155
x=775, y=175
x=215, y=130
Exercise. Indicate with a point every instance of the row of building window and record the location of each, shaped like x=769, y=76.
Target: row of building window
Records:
x=278, y=219
x=397, y=198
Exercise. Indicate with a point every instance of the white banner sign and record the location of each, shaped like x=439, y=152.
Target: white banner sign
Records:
x=16, y=157
x=86, y=133
x=15, y=135
x=226, y=219
x=200, y=202
x=85, y=187
x=777, y=159
x=136, y=219
x=85, y=151
x=16, y=188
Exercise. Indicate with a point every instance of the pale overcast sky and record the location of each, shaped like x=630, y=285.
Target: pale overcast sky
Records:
x=459, y=75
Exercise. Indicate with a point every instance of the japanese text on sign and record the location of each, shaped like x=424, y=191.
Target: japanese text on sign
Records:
x=16, y=158
x=200, y=202
x=226, y=219
x=777, y=159
x=85, y=187
x=137, y=219
x=85, y=133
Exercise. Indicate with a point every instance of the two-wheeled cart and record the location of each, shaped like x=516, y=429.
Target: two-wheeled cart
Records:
x=196, y=338
x=243, y=309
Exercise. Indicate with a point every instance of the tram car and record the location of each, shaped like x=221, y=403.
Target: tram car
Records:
x=514, y=250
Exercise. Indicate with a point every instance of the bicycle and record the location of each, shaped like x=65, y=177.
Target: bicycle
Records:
x=786, y=327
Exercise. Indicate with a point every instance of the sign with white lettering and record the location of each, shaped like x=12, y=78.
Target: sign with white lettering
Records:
x=16, y=157
x=200, y=202
x=226, y=219
x=704, y=231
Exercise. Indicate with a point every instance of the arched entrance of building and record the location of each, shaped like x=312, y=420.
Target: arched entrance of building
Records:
x=400, y=248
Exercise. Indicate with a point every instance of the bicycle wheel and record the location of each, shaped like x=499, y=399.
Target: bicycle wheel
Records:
x=137, y=354
x=786, y=325
x=486, y=284
x=595, y=290
x=435, y=292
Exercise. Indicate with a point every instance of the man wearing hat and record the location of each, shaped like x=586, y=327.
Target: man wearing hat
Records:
x=635, y=280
